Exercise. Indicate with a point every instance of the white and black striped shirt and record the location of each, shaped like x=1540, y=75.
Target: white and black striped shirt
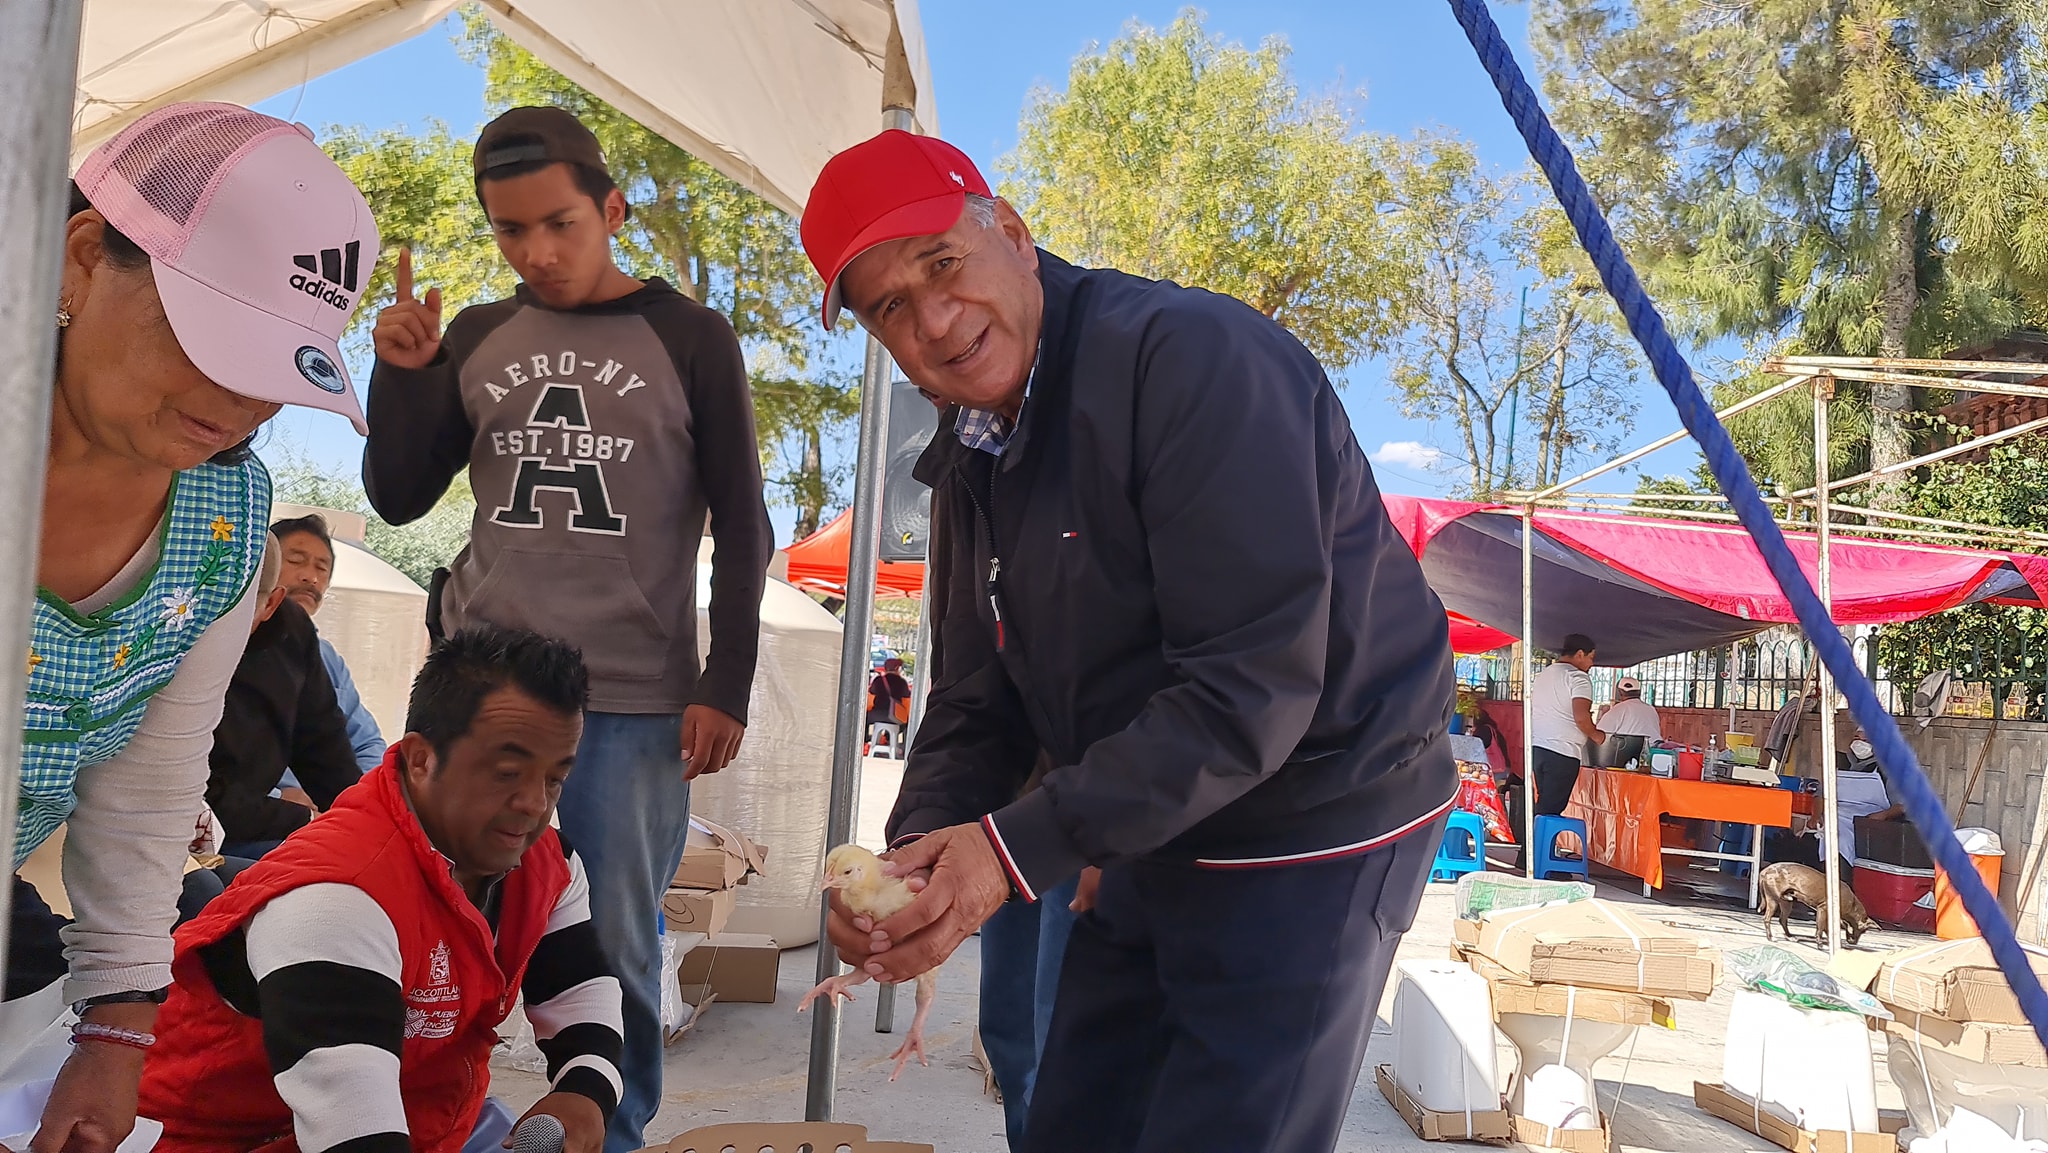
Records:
x=320, y=966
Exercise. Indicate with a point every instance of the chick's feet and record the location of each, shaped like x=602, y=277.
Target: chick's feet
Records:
x=834, y=988
x=913, y=1046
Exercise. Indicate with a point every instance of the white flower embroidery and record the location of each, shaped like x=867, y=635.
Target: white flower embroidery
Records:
x=178, y=608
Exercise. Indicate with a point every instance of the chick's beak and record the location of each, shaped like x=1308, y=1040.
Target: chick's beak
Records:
x=830, y=884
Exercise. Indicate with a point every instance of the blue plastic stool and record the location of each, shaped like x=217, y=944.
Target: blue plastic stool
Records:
x=1463, y=849
x=1545, y=847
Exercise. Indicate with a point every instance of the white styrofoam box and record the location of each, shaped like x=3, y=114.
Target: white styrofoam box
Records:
x=1811, y=1067
x=1443, y=1037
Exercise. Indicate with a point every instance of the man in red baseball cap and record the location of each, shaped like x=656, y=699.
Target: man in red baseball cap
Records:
x=1168, y=574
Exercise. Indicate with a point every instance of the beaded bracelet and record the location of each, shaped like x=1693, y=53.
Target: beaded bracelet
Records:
x=112, y=1035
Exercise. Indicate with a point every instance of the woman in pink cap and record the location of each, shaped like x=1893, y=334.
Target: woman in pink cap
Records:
x=212, y=258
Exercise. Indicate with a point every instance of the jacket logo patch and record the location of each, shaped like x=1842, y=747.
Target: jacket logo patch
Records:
x=431, y=1011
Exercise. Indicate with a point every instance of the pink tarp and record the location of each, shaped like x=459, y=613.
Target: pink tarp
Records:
x=1715, y=567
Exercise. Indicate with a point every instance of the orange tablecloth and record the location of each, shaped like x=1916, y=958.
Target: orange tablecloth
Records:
x=1622, y=812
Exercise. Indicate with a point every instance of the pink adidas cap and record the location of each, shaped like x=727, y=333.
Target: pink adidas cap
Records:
x=260, y=245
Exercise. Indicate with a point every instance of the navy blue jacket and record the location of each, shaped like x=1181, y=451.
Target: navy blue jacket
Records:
x=1179, y=582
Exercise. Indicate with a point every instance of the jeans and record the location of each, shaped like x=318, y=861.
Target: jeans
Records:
x=1021, y=950
x=203, y=885
x=1223, y=1011
x=625, y=811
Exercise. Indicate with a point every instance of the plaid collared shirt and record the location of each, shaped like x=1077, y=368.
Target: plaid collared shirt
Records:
x=987, y=430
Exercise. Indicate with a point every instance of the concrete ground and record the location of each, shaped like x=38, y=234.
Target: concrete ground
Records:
x=748, y=1062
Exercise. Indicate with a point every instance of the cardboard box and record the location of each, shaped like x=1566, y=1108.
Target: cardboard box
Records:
x=1595, y=944
x=697, y=910
x=715, y=857
x=1491, y=1128
x=1537, y=1136
x=1513, y=994
x=1782, y=1133
x=1970, y=1040
x=1955, y=979
x=733, y=966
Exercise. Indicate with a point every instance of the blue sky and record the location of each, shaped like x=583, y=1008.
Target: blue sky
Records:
x=1408, y=58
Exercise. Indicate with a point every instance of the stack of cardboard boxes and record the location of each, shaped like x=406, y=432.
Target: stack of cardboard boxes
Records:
x=1588, y=961
x=1957, y=1026
x=727, y=966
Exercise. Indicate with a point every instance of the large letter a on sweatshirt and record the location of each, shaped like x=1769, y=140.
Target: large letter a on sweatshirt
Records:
x=583, y=481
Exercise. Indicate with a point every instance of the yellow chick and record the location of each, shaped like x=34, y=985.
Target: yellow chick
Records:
x=866, y=890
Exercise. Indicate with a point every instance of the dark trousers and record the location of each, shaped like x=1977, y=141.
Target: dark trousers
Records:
x=1556, y=776
x=1022, y=949
x=1222, y=1011
x=35, y=953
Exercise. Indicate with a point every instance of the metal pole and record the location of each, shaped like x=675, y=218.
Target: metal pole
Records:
x=1831, y=833
x=1529, y=694
x=38, y=71
x=899, y=97
x=920, y=677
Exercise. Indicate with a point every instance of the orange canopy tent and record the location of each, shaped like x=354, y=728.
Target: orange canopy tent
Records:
x=818, y=563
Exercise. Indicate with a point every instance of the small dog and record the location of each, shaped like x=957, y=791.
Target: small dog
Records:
x=1784, y=883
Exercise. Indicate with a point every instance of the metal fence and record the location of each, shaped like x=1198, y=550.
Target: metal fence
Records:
x=1762, y=673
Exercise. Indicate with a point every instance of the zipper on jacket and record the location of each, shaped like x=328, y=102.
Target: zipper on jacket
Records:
x=986, y=511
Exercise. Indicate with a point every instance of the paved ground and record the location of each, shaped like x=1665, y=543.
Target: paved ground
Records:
x=748, y=1062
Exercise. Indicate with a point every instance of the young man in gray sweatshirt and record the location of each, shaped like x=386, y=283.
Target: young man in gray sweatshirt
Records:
x=601, y=418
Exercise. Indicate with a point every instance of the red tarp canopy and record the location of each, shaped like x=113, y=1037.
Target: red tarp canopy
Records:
x=1643, y=587
x=818, y=562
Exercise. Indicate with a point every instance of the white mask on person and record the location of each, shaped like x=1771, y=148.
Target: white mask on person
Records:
x=1860, y=749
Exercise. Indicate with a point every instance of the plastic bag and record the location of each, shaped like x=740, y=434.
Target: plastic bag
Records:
x=516, y=1047
x=1483, y=893
x=1791, y=978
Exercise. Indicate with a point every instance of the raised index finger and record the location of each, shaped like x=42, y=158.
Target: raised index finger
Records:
x=404, y=276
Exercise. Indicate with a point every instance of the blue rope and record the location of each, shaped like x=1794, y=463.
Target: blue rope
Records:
x=1922, y=804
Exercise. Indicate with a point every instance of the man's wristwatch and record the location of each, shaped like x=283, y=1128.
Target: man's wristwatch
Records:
x=125, y=997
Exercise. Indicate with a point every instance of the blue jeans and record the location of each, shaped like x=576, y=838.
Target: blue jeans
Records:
x=625, y=810
x=1021, y=950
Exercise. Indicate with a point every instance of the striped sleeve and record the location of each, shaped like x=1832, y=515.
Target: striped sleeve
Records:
x=573, y=1000
x=326, y=962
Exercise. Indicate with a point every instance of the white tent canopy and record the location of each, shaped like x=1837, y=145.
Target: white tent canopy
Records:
x=764, y=90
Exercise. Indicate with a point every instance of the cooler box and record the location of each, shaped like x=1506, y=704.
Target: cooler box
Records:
x=1950, y=920
x=1890, y=893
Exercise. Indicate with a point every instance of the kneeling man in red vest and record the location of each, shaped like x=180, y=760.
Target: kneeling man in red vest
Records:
x=344, y=993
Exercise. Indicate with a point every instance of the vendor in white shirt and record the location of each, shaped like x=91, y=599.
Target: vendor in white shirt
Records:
x=1859, y=792
x=1561, y=723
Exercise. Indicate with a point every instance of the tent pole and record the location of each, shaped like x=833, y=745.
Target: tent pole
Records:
x=38, y=71
x=899, y=97
x=1528, y=693
x=1831, y=833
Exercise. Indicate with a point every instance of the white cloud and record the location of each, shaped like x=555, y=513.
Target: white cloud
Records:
x=1408, y=454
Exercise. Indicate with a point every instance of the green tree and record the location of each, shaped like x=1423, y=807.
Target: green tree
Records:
x=415, y=549
x=2005, y=645
x=1173, y=154
x=1809, y=169
x=1498, y=308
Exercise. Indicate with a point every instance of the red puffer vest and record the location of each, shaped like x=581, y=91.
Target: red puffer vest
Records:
x=208, y=1078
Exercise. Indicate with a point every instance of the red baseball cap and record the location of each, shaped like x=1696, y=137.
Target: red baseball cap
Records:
x=891, y=187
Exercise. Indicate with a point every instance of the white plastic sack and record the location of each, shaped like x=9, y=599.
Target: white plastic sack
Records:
x=21, y=1114
x=677, y=1015
x=1968, y=1133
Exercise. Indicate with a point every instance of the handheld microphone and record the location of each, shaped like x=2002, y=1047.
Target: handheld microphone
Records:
x=540, y=1133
